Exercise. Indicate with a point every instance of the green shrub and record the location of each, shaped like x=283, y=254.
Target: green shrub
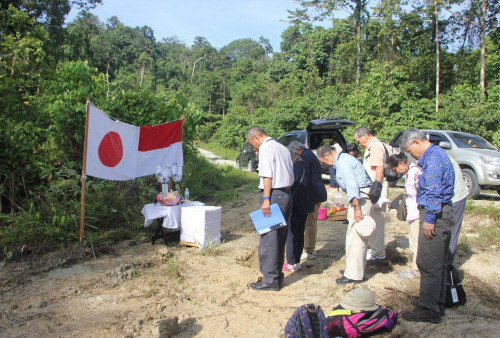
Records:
x=112, y=209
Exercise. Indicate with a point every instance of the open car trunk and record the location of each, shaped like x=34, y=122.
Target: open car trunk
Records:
x=327, y=132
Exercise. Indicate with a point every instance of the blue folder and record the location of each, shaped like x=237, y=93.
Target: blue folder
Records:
x=265, y=224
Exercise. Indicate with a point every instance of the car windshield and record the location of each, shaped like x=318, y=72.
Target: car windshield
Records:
x=471, y=141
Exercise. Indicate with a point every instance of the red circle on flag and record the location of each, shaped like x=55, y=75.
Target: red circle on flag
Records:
x=111, y=149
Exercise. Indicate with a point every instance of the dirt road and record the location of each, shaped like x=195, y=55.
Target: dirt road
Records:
x=136, y=289
x=216, y=159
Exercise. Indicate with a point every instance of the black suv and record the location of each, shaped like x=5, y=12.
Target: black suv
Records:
x=248, y=158
x=319, y=133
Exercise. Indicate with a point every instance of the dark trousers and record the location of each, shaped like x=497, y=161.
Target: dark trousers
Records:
x=272, y=244
x=432, y=258
x=295, y=238
x=459, y=208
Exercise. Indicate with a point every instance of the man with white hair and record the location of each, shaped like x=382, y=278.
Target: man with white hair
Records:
x=434, y=198
x=276, y=178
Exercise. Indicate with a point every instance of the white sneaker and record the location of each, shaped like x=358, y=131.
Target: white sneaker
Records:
x=306, y=255
x=291, y=267
x=370, y=257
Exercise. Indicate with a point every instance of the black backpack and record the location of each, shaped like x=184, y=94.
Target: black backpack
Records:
x=455, y=294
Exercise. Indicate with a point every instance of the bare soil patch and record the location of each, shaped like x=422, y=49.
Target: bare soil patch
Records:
x=143, y=290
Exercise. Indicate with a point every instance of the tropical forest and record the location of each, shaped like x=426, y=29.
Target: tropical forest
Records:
x=388, y=65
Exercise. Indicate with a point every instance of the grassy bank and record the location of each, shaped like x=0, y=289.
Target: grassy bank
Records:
x=488, y=234
x=113, y=209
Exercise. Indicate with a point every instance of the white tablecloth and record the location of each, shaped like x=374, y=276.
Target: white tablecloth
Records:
x=171, y=215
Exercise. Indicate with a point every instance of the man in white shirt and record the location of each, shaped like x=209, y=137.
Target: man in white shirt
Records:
x=276, y=178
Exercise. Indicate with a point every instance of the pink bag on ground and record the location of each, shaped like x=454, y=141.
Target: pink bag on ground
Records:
x=322, y=213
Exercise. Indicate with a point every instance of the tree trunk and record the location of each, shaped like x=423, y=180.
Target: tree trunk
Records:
x=483, y=48
x=436, y=12
x=107, y=79
x=223, y=98
x=142, y=74
x=13, y=64
x=194, y=67
x=358, y=54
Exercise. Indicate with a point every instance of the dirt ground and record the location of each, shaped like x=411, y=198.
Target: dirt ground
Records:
x=136, y=288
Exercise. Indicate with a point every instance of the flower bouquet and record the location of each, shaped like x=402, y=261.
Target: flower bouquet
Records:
x=169, y=198
x=166, y=174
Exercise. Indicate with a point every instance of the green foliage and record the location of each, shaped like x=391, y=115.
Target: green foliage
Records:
x=205, y=180
x=6, y=255
x=47, y=71
x=232, y=132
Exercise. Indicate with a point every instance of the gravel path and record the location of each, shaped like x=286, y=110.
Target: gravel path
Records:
x=216, y=159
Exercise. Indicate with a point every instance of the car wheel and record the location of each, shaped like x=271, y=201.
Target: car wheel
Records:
x=238, y=164
x=250, y=166
x=470, y=180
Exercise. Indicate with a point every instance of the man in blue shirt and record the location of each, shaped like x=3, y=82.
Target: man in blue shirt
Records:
x=353, y=179
x=435, y=191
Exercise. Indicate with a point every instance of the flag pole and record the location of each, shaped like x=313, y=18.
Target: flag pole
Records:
x=84, y=171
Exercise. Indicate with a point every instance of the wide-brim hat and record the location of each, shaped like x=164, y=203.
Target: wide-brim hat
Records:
x=359, y=300
x=365, y=227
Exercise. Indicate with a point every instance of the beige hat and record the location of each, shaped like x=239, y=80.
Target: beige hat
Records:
x=365, y=227
x=359, y=299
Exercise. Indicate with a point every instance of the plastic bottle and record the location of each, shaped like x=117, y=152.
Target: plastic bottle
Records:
x=186, y=194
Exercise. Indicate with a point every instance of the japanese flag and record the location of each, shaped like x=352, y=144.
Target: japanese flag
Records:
x=120, y=151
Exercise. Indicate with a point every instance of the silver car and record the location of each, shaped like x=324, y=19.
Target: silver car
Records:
x=479, y=159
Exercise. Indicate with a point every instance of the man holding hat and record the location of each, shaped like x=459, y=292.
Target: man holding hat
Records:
x=353, y=179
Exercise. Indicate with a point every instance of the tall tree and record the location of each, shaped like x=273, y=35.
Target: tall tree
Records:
x=479, y=18
x=358, y=10
x=436, y=15
x=51, y=13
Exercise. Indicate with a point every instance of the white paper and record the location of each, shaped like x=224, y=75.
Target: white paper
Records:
x=454, y=295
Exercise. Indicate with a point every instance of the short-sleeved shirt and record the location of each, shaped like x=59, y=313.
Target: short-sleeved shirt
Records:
x=374, y=156
x=461, y=191
x=275, y=162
